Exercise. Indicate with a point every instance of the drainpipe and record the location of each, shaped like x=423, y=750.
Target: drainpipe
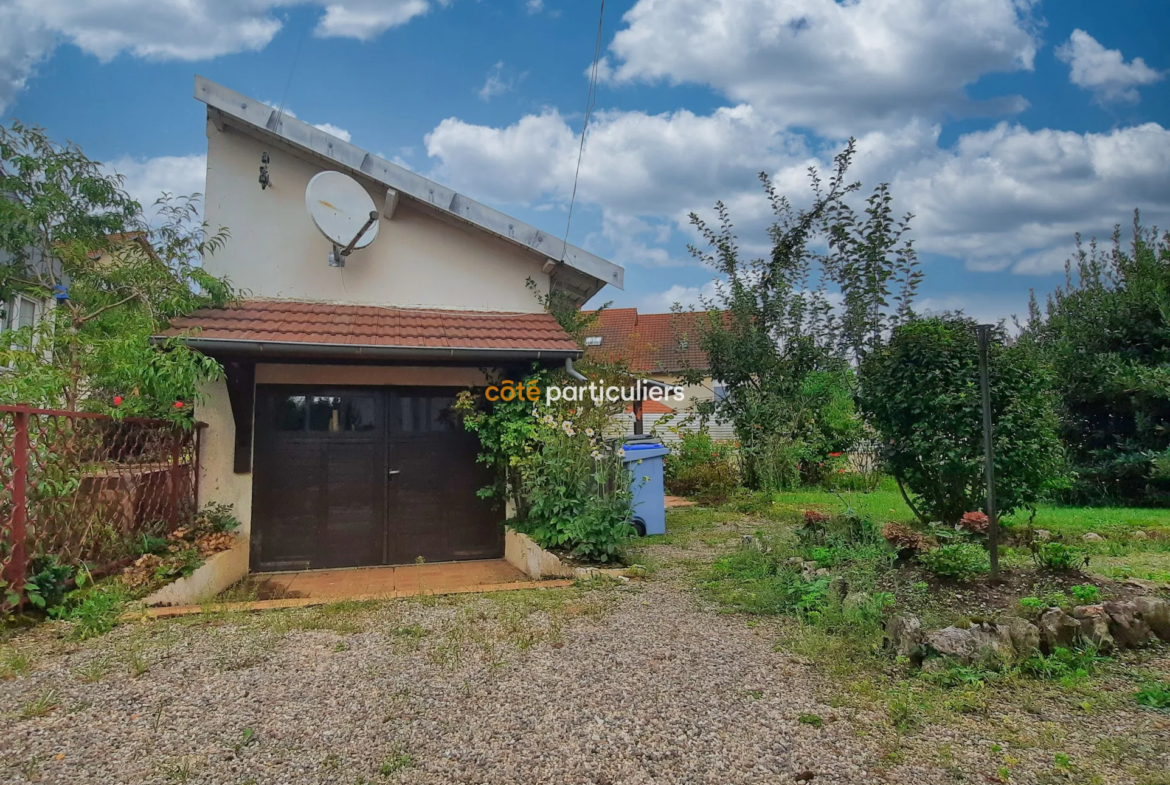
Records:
x=569, y=369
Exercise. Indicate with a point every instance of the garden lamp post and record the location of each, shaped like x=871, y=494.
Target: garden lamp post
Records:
x=984, y=332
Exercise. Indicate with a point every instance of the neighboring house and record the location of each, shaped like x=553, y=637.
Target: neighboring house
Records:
x=658, y=346
x=333, y=434
x=23, y=309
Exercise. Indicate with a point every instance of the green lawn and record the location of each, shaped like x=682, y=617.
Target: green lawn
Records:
x=886, y=504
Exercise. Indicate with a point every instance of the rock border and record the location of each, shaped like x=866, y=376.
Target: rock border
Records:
x=1110, y=626
x=217, y=573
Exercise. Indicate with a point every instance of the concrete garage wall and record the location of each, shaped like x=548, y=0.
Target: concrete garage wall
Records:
x=418, y=260
x=217, y=480
x=219, y=572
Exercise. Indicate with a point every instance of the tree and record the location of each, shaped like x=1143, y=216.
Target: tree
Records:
x=1107, y=335
x=921, y=391
x=771, y=336
x=73, y=235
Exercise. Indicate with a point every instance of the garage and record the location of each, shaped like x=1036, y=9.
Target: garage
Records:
x=362, y=476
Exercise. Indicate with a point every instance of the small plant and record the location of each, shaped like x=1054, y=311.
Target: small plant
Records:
x=1086, y=593
x=396, y=762
x=95, y=610
x=46, y=585
x=41, y=705
x=961, y=561
x=1058, y=556
x=248, y=736
x=811, y=719
x=1155, y=695
x=14, y=664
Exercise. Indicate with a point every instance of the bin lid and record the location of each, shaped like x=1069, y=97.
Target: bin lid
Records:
x=642, y=446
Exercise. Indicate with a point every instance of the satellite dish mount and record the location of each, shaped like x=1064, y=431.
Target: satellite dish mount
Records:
x=338, y=254
x=343, y=211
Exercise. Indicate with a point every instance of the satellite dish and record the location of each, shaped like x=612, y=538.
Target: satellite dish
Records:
x=343, y=212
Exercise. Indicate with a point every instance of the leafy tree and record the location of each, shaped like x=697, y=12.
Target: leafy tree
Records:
x=923, y=395
x=72, y=234
x=771, y=335
x=1107, y=335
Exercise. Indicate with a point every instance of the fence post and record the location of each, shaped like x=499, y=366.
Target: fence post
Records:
x=195, y=462
x=18, y=563
x=174, y=501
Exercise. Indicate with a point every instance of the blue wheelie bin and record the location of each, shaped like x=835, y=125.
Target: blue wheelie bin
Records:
x=644, y=460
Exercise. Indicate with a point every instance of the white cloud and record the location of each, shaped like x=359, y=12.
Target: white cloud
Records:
x=367, y=19
x=147, y=179
x=1103, y=71
x=330, y=128
x=170, y=29
x=498, y=83
x=686, y=296
x=1003, y=198
x=836, y=67
x=535, y=6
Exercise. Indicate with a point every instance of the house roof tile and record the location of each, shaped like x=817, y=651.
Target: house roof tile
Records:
x=312, y=323
x=649, y=342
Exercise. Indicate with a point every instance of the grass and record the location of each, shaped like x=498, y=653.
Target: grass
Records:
x=845, y=644
x=41, y=705
x=14, y=664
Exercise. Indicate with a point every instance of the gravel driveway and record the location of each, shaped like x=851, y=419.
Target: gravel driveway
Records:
x=635, y=684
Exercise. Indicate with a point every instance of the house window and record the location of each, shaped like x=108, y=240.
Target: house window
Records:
x=720, y=392
x=593, y=340
x=24, y=311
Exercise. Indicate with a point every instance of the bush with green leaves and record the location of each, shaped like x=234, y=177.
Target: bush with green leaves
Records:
x=1086, y=593
x=1107, y=336
x=1155, y=695
x=702, y=467
x=922, y=394
x=1058, y=556
x=960, y=561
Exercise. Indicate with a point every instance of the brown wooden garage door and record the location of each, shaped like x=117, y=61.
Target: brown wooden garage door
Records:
x=348, y=477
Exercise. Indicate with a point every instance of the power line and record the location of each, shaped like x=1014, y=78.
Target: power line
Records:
x=590, y=102
x=292, y=69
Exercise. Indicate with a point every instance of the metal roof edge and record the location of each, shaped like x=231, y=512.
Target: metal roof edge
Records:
x=300, y=134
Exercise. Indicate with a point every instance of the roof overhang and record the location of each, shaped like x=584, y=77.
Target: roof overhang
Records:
x=331, y=351
x=573, y=270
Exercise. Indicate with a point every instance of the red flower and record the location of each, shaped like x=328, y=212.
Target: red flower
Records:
x=840, y=471
x=834, y=455
x=117, y=400
x=178, y=404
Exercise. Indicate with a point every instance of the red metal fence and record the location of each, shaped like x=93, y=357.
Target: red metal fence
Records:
x=86, y=487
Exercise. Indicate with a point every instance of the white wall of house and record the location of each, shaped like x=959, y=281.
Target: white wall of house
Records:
x=418, y=259
x=218, y=481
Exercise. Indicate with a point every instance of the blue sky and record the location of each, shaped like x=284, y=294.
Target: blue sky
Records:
x=1005, y=125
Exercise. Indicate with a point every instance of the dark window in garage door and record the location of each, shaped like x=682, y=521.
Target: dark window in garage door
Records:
x=350, y=477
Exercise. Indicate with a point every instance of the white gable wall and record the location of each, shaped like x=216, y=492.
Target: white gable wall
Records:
x=418, y=260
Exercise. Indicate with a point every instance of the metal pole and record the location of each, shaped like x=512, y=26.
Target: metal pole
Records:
x=18, y=530
x=984, y=331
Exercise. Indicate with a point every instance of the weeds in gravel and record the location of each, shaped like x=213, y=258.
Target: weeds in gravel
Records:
x=41, y=705
x=180, y=770
x=1155, y=695
x=137, y=664
x=814, y=720
x=14, y=663
x=93, y=671
x=398, y=761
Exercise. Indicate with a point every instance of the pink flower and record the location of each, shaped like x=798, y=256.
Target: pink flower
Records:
x=178, y=404
x=117, y=400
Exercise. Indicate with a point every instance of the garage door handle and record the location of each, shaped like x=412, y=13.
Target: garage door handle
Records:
x=394, y=472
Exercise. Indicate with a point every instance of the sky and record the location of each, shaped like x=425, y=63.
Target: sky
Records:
x=1004, y=126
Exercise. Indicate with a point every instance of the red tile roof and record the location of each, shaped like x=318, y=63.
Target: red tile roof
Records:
x=650, y=406
x=292, y=321
x=649, y=342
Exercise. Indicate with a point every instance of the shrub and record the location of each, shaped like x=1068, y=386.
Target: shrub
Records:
x=703, y=467
x=95, y=609
x=922, y=393
x=1058, y=556
x=961, y=561
x=903, y=538
x=47, y=582
x=1106, y=335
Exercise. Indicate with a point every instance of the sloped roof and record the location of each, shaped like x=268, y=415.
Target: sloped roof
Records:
x=649, y=342
x=294, y=323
